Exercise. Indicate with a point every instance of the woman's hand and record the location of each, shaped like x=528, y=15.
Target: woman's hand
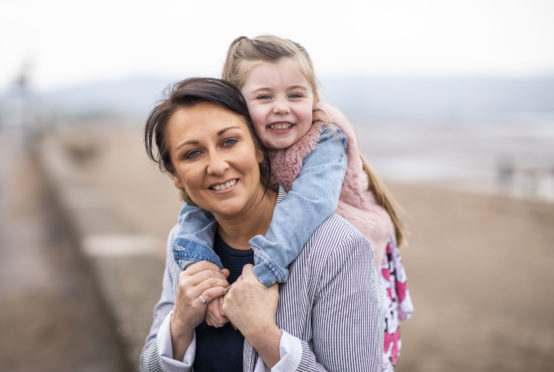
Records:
x=198, y=285
x=251, y=308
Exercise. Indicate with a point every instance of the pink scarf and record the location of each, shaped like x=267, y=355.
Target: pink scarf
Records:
x=356, y=203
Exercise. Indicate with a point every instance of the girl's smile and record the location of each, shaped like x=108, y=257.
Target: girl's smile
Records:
x=280, y=101
x=280, y=127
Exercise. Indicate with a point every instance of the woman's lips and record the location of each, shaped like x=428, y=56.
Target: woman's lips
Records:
x=224, y=186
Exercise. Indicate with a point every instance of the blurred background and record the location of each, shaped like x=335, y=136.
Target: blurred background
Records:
x=453, y=104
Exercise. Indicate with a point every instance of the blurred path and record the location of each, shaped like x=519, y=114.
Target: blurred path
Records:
x=50, y=316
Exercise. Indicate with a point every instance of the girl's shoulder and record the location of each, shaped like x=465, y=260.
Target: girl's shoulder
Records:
x=332, y=115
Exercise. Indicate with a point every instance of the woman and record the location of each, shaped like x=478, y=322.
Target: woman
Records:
x=326, y=317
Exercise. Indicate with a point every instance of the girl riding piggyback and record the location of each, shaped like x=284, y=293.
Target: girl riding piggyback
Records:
x=314, y=156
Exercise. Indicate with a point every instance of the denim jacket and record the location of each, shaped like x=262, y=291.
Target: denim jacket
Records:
x=312, y=199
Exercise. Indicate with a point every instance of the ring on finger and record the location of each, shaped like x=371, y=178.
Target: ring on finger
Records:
x=202, y=299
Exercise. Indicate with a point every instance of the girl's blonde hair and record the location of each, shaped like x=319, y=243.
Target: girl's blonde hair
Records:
x=245, y=54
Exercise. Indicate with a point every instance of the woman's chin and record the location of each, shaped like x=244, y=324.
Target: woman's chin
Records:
x=227, y=209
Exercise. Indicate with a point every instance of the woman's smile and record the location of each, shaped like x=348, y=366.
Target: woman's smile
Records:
x=224, y=187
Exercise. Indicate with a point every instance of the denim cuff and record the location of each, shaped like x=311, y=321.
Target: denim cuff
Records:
x=268, y=272
x=186, y=252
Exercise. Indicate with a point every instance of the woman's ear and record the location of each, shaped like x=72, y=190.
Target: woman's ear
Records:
x=259, y=156
x=176, y=181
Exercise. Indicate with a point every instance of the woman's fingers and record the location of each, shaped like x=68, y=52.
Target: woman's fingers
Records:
x=246, y=269
x=249, y=305
x=201, y=266
x=212, y=293
x=225, y=272
x=196, y=278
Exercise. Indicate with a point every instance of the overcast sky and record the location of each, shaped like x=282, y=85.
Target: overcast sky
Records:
x=70, y=42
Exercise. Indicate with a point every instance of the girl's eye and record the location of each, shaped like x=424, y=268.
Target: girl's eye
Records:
x=264, y=96
x=229, y=142
x=295, y=95
x=192, y=154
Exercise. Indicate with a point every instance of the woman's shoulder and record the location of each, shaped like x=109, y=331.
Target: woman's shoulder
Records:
x=336, y=238
x=171, y=237
x=170, y=261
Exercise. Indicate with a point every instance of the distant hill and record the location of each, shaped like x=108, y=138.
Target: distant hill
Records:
x=458, y=99
x=363, y=99
x=134, y=96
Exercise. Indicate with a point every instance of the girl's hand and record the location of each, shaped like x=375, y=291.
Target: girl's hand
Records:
x=251, y=308
x=198, y=285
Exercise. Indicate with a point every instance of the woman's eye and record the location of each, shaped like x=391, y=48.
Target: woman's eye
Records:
x=192, y=154
x=229, y=142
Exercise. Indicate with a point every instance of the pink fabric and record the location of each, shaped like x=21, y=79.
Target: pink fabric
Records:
x=398, y=304
x=356, y=203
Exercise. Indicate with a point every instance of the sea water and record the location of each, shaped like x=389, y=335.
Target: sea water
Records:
x=512, y=156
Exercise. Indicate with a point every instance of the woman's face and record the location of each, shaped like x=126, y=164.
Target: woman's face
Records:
x=215, y=159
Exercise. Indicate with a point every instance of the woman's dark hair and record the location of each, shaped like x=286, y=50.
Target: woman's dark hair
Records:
x=188, y=93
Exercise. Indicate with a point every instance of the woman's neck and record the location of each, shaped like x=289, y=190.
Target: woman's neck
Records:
x=236, y=231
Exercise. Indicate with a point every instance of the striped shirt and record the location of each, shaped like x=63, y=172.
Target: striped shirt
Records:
x=330, y=304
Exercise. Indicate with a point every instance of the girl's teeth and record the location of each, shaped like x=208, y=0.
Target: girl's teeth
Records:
x=280, y=126
x=224, y=186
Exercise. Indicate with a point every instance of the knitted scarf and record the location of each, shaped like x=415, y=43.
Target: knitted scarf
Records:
x=356, y=203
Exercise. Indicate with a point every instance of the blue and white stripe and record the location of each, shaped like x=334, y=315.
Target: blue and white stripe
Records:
x=331, y=303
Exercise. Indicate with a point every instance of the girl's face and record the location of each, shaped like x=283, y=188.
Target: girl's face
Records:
x=280, y=101
x=215, y=159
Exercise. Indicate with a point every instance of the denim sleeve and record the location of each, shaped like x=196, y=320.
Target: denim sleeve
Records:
x=194, y=238
x=314, y=197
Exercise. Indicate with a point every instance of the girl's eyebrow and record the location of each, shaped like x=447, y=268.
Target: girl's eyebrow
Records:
x=261, y=89
x=196, y=142
x=302, y=87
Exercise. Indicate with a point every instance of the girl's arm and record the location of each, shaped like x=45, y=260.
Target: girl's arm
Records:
x=194, y=237
x=313, y=198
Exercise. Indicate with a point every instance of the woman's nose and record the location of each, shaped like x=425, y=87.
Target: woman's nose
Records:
x=217, y=164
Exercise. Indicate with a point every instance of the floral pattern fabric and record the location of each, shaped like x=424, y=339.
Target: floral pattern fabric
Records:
x=398, y=304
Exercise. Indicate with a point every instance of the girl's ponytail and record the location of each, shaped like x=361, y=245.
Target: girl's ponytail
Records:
x=384, y=199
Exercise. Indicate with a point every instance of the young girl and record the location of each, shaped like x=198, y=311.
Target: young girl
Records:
x=310, y=158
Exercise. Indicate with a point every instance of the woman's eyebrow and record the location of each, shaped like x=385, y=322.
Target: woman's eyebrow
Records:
x=221, y=131
x=193, y=142
x=196, y=142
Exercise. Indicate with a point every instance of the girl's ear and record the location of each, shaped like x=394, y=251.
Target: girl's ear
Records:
x=316, y=97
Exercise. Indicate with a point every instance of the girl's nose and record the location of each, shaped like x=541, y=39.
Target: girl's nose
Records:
x=217, y=164
x=281, y=107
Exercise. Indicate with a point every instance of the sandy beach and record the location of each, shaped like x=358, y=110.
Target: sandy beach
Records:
x=479, y=267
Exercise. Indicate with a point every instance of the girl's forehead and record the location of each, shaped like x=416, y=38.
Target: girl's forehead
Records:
x=267, y=72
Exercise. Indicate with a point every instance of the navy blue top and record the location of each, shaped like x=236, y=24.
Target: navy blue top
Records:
x=220, y=349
